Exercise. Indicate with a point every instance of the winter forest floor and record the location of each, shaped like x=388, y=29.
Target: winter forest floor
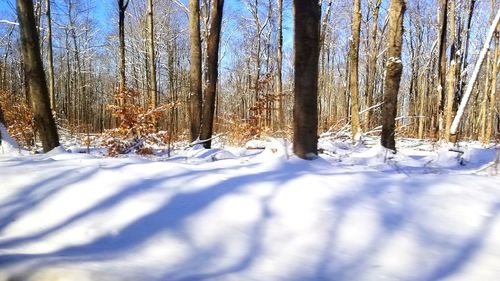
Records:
x=426, y=213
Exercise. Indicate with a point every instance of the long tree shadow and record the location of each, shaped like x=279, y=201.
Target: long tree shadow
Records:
x=392, y=221
x=141, y=186
x=31, y=196
x=171, y=217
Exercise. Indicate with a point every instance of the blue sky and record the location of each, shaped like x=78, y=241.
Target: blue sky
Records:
x=103, y=10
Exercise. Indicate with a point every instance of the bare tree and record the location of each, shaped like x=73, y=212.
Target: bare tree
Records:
x=372, y=60
x=443, y=23
x=393, y=69
x=37, y=85
x=152, y=61
x=212, y=60
x=122, y=7
x=307, y=22
x=450, y=96
x=353, y=67
x=50, y=59
x=279, y=67
x=195, y=85
x=472, y=81
x=493, y=104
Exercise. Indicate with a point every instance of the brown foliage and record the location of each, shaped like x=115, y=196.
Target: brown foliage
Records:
x=18, y=118
x=137, y=130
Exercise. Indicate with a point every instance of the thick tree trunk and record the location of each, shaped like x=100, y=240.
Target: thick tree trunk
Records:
x=195, y=84
x=354, y=63
x=394, y=69
x=36, y=82
x=212, y=72
x=50, y=57
x=306, y=45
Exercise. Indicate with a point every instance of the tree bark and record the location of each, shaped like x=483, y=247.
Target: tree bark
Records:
x=372, y=63
x=36, y=81
x=394, y=69
x=306, y=45
x=50, y=58
x=491, y=111
x=212, y=72
x=195, y=84
x=488, y=77
x=354, y=64
x=152, y=61
x=279, y=65
x=122, y=7
x=450, y=97
x=443, y=18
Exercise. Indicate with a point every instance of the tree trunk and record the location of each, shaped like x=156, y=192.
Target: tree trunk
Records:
x=487, y=85
x=394, y=69
x=465, y=52
x=354, y=63
x=122, y=7
x=212, y=71
x=306, y=45
x=443, y=18
x=450, y=97
x=372, y=63
x=491, y=111
x=152, y=60
x=279, y=64
x=50, y=57
x=195, y=84
x=36, y=82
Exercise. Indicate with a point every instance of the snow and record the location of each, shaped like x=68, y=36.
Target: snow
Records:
x=7, y=144
x=355, y=213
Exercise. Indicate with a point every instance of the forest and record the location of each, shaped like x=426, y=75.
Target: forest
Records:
x=108, y=65
x=249, y=140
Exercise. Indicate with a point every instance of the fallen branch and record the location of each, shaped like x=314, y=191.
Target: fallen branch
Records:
x=203, y=141
x=477, y=68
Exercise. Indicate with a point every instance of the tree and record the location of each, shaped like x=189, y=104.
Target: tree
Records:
x=152, y=62
x=472, y=81
x=122, y=7
x=279, y=65
x=372, y=61
x=393, y=69
x=50, y=60
x=36, y=81
x=195, y=84
x=353, y=67
x=307, y=21
x=212, y=60
x=450, y=96
x=492, y=107
x=2, y=122
x=443, y=18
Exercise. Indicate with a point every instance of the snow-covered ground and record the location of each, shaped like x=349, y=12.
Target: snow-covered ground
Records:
x=355, y=213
